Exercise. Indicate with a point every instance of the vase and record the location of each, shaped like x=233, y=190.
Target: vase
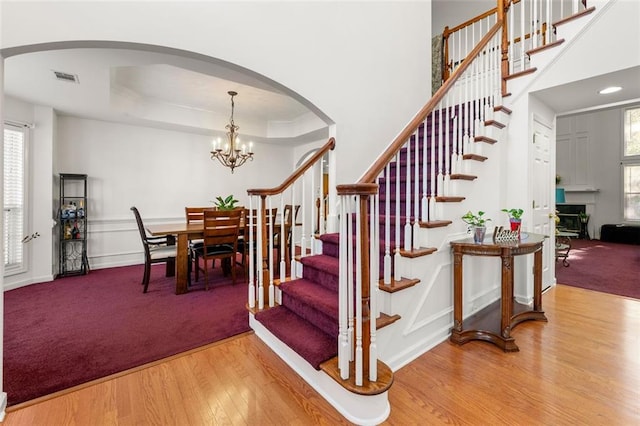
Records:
x=478, y=234
x=515, y=225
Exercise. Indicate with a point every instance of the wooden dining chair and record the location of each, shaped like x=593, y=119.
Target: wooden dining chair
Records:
x=221, y=230
x=290, y=218
x=159, y=249
x=195, y=215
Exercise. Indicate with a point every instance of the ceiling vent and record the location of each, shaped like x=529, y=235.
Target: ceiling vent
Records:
x=65, y=76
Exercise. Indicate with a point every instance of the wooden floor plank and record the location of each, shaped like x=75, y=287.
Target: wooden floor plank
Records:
x=582, y=367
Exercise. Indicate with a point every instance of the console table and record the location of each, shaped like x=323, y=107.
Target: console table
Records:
x=495, y=322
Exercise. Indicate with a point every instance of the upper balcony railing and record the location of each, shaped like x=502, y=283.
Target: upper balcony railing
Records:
x=527, y=25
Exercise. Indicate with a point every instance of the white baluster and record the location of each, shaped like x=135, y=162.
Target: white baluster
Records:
x=374, y=274
x=424, y=205
x=252, y=285
x=387, y=227
x=272, y=300
x=282, y=239
x=407, y=201
x=344, y=351
x=259, y=256
x=416, y=191
x=398, y=224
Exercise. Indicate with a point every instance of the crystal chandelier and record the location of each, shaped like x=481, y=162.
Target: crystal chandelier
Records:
x=232, y=155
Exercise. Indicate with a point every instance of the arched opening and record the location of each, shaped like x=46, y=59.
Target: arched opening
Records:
x=133, y=112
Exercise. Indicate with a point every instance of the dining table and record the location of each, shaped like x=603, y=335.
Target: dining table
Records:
x=184, y=232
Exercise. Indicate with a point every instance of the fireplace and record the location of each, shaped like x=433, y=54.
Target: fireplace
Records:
x=569, y=215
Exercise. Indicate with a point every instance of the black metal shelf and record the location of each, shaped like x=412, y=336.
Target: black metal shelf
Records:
x=72, y=245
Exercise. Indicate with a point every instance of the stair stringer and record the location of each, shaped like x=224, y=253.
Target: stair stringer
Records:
x=358, y=409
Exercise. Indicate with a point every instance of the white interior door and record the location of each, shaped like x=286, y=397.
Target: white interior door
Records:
x=542, y=191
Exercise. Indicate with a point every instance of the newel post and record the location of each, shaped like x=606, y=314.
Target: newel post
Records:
x=445, y=55
x=503, y=6
x=362, y=339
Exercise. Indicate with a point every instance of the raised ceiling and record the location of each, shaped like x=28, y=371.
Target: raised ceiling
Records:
x=161, y=90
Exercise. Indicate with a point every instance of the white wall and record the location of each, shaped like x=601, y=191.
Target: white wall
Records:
x=158, y=171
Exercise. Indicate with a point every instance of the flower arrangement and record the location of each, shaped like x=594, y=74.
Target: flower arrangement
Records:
x=228, y=203
x=476, y=220
x=514, y=213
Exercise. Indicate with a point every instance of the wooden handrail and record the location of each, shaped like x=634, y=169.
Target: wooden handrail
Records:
x=386, y=157
x=331, y=143
x=471, y=21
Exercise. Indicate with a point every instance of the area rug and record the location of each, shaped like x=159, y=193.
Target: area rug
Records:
x=602, y=266
x=76, y=329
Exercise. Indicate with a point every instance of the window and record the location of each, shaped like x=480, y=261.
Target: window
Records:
x=14, y=197
x=632, y=132
x=631, y=164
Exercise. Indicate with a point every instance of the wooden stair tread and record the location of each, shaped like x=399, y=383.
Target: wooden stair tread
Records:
x=474, y=157
x=384, y=320
x=484, y=139
x=385, y=378
x=494, y=123
x=544, y=47
x=502, y=108
x=256, y=309
x=396, y=286
x=449, y=199
x=574, y=16
x=277, y=281
x=422, y=251
x=521, y=73
x=435, y=223
x=460, y=176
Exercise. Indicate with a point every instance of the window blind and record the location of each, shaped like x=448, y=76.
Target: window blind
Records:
x=14, y=195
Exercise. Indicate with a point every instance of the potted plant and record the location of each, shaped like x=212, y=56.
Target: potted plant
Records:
x=515, y=218
x=477, y=224
x=228, y=203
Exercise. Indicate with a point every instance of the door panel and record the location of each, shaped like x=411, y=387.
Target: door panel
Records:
x=543, y=203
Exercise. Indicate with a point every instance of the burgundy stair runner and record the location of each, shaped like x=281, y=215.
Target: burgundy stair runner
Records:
x=307, y=320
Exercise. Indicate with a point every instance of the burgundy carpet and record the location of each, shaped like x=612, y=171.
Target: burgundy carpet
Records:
x=607, y=267
x=72, y=330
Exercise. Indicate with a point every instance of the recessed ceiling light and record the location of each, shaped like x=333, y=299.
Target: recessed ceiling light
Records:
x=611, y=89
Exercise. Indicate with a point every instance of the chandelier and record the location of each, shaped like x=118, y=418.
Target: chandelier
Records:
x=232, y=155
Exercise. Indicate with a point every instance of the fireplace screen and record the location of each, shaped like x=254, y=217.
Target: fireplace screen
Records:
x=569, y=215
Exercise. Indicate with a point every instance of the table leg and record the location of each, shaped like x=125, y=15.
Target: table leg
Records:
x=537, y=280
x=457, y=334
x=507, y=295
x=182, y=260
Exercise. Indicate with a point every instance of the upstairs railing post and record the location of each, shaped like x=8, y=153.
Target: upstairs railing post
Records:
x=504, y=45
x=445, y=58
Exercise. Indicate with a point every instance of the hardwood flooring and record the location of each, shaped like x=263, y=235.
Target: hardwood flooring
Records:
x=582, y=367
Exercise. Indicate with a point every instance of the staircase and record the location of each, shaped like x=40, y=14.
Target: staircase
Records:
x=390, y=264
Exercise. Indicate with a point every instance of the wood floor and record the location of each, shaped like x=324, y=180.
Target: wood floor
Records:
x=582, y=367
